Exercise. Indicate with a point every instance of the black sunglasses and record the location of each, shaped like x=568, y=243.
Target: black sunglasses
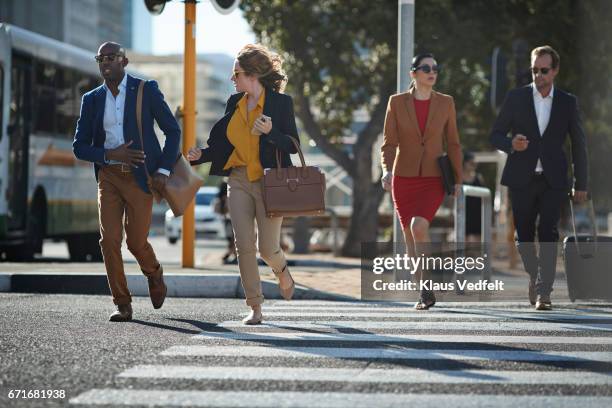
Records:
x=427, y=69
x=109, y=57
x=536, y=70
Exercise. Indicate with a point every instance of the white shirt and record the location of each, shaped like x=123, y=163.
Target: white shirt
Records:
x=113, y=116
x=113, y=120
x=543, y=106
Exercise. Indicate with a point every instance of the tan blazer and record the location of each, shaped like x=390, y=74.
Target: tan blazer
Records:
x=406, y=152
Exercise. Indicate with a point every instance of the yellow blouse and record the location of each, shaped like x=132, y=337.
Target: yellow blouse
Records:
x=246, y=144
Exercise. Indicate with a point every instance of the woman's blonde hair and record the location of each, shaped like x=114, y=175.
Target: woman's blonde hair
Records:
x=267, y=66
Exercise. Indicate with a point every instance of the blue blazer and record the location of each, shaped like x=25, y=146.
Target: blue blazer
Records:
x=89, y=139
x=517, y=115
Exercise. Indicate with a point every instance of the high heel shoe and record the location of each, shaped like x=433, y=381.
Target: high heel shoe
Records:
x=255, y=317
x=286, y=293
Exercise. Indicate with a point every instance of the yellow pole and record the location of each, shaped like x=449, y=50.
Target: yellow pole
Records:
x=189, y=112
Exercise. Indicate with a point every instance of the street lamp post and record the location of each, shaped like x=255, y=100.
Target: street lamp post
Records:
x=405, y=49
x=189, y=113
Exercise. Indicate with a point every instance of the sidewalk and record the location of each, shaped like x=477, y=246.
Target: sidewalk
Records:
x=318, y=277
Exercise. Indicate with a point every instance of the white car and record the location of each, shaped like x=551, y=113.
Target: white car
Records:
x=207, y=221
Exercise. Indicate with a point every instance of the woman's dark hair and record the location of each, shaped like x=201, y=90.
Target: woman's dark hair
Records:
x=468, y=156
x=416, y=61
x=267, y=66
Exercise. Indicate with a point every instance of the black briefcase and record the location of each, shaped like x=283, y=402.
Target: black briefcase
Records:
x=588, y=262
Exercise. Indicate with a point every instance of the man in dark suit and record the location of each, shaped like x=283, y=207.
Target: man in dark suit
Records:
x=539, y=117
x=107, y=135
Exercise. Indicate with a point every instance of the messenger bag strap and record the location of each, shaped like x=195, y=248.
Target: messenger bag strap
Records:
x=139, y=122
x=156, y=194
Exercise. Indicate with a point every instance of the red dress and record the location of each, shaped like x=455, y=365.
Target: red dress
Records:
x=417, y=196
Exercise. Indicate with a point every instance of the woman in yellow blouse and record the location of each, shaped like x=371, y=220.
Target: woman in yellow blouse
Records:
x=258, y=121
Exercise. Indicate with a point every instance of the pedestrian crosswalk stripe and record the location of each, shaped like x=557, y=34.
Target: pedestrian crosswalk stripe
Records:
x=400, y=338
x=387, y=353
x=428, y=325
x=370, y=375
x=506, y=305
x=439, y=315
x=281, y=399
x=438, y=309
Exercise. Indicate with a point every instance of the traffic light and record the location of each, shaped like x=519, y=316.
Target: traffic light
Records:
x=155, y=7
x=225, y=6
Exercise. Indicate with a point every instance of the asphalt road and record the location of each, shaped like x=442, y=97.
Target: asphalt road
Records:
x=195, y=352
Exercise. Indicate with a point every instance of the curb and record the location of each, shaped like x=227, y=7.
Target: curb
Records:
x=313, y=263
x=205, y=286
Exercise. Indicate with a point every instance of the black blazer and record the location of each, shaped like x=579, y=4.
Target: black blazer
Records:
x=518, y=115
x=277, y=106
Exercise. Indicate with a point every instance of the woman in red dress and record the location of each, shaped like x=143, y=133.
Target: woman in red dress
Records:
x=417, y=125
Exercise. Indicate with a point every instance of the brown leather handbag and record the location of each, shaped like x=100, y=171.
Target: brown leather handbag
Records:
x=293, y=191
x=183, y=182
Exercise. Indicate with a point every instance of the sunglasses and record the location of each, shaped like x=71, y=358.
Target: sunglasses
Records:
x=536, y=70
x=427, y=69
x=236, y=73
x=108, y=57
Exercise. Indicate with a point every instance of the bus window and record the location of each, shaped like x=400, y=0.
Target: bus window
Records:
x=44, y=91
x=82, y=84
x=18, y=143
x=64, y=101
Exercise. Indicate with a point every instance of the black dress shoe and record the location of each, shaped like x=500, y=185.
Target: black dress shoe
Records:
x=122, y=314
x=532, y=292
x=543, y=303
x=426, y=300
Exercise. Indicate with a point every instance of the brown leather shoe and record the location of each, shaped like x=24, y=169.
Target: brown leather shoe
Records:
x=532, y=292
x=543, y=303
x=122, y=314
x=157, y=289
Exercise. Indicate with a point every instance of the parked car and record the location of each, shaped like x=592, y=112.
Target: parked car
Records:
x=207, y=221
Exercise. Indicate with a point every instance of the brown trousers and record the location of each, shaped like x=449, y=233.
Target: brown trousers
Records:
x=246, y=206
x=122, y=202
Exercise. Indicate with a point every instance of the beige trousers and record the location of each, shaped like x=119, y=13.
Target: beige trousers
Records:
x=245, y=207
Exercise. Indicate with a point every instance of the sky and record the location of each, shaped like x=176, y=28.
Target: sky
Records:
x=215, y=32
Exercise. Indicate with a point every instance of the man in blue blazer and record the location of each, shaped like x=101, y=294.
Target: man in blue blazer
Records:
x=107, y=135
x=539, y=118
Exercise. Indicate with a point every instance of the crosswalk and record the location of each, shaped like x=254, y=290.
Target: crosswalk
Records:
x=358, y=354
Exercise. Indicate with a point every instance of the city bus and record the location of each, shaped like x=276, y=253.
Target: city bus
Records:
x=45, y=192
